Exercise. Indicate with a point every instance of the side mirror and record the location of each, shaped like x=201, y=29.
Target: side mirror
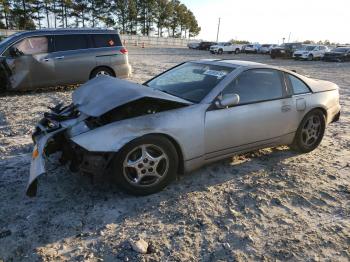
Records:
x=14, y=52
x=227, y=101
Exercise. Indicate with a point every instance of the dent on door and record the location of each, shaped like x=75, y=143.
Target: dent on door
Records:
x=20, y=67
x=31, y=71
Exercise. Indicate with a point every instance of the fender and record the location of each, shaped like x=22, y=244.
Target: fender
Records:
x=179, y=124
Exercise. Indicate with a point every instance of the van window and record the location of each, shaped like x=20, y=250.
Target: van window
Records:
x=33, y=45
x=70, y=42
x=105, y=40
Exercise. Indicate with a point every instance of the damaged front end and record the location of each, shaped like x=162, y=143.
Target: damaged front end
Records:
x=111, y=100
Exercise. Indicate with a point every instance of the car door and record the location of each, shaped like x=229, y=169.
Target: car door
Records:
x=73, y=58
x=263, y=117
x=318, y=51
x=30, y=63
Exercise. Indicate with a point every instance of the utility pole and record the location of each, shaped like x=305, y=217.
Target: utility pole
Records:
x=289, y=37
x=217, y=35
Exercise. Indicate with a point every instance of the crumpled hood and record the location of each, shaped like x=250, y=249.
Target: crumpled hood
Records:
x=105, y=93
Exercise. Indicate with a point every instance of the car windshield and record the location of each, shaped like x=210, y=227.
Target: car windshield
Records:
x=190, y=81
x=308, y=47
x=341, y=49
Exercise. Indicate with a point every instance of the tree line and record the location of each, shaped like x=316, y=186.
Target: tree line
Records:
x=159, y=17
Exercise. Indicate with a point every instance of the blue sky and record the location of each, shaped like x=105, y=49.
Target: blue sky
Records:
x=268, y=21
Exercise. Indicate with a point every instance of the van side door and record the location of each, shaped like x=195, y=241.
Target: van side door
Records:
x=73, y=59
x=31, y=64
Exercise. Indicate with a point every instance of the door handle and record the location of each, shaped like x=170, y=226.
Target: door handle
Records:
x=46, y=59
x=59, y=57
x=286, y=108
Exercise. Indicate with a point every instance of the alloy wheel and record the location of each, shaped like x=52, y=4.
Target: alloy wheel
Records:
x=311, y=130
x=145, y=165
x=103, y=72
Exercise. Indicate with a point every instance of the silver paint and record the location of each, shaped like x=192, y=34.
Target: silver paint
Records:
x=203, y=132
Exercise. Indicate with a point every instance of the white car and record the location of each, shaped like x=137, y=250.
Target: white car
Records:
x=252, y=48
x=310, y=52
x=226, y=47
x=266, y=48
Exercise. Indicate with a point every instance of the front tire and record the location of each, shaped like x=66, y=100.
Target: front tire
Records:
x=237, y=51
x=146, y=165
x=310, y=57
x=220, y=52
x=310, y=131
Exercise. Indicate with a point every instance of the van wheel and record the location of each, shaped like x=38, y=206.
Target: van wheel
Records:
x=310, y=132
x=101, y=71
x=146, y=165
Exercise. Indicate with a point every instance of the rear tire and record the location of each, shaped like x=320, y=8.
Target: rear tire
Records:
x=237, y=51
x=101, y=71
x=310, y=57
x=220, y=51
x=310, y=132
x=137, y=170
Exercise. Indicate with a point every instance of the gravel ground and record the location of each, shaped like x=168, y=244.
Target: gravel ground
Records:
x=270, y=204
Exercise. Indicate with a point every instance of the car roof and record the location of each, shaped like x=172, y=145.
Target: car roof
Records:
x=67, y=31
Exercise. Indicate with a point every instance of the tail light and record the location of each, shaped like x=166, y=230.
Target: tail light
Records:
x=123, y=51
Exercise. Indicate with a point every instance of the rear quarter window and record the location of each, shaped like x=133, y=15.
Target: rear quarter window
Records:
x=299, y=87
x=105, y=40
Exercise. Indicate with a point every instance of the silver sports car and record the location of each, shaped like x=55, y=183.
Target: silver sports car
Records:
x=191, y=115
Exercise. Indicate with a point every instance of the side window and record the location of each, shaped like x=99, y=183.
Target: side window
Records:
x=256, y=85
x=70, y=42
x=33, y=45
x=298, y=86
x=104, y=40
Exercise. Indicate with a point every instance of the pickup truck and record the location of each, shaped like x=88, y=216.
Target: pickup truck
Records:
x=226, y=47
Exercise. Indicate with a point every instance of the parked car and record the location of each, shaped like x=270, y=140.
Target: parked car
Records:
x=205, y=45
x=44, y=58
x=266, y=48
x=5, y=74
x=339, y=54
x=285, y=50
x=310, y=52
x=191, y=115
x=253, y=48
x=225, y=47
x=193, y=45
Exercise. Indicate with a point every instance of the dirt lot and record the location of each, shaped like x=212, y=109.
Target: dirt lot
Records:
x=268, y=205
